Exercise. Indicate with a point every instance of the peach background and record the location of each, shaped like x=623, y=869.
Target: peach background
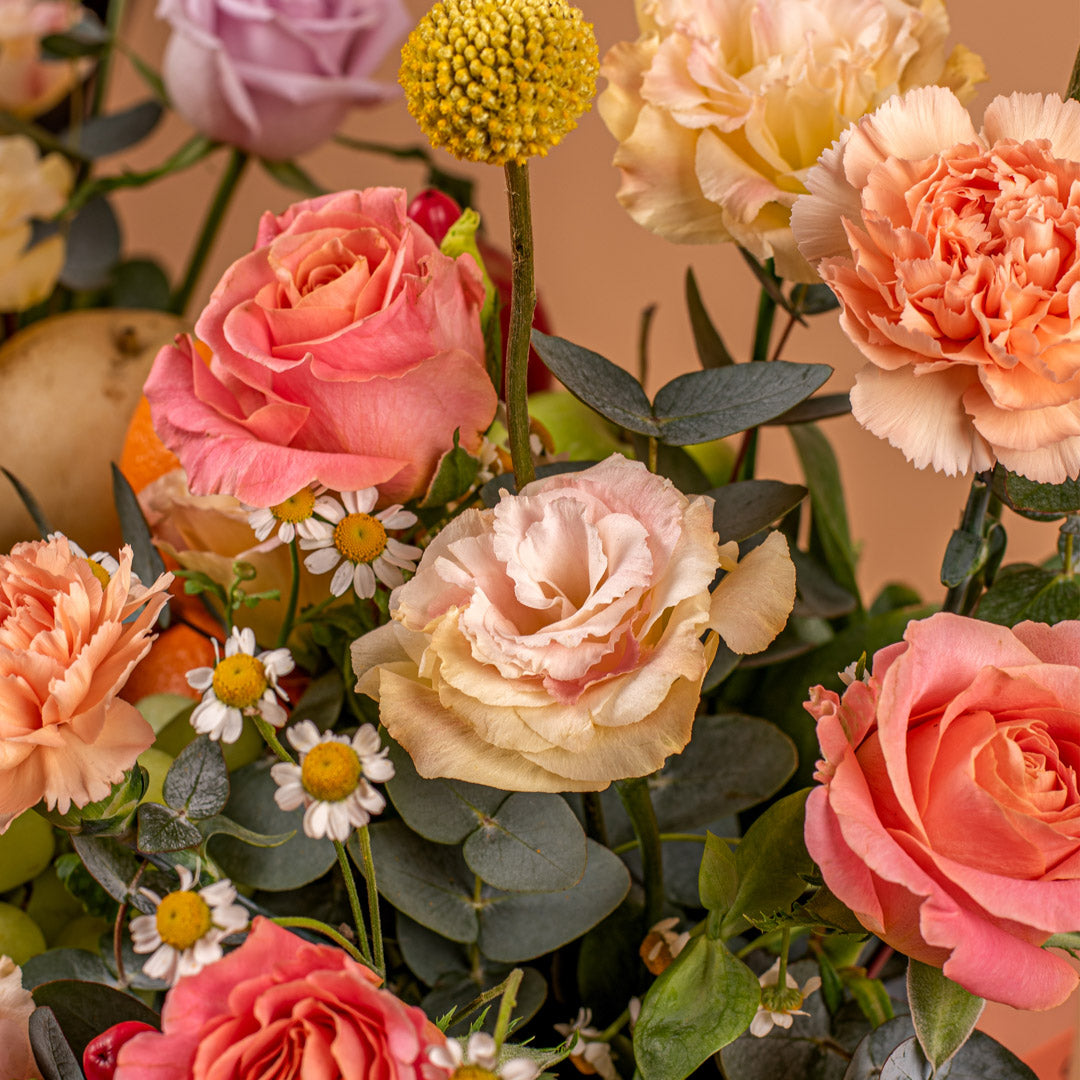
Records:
x=597, y=270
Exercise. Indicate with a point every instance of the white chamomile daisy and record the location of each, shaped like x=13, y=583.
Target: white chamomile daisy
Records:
x=242, y=684
x=333, y=779
x=354, y=541
x=477, y=1061
x=590, y=1054
x=779, y=1005
x=292, y=518
x=185, y=932
x=102, y=564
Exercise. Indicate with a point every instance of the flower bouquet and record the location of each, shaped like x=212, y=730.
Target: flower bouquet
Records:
x=424, y=726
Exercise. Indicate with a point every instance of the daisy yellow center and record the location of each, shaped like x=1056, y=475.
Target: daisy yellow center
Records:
x=182, y=918
x=295, y=508
x=473, y=1072
x=360, y=538
x=331, y=771
x=99, y=572
x=239, y=681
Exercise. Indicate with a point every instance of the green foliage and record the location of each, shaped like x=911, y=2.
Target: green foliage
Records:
x=711, y=350
x=1043, y=502
x=819, y=407
x=56, y=964
x=139, y=283
x=744, y=508
x=100, y=136
x=32, y=506
x=83, y=1010
x=454, y=477
x=93, y=246
x=718, y=878
x=1023, y=591
x=943, y=1013
x=146, y=559
x=54, y=1056
x=289, y=175
x=162, y=829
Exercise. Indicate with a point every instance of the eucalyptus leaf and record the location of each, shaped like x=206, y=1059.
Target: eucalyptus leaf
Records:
x=819, y=407
x=428, y=955
x=219, y=825
x=907, y=1062
x=744, y=508
x=532, y=843
x=110, y=133
x=674, y=463
x=874, y=1050
x=80, y=964
x=816, y=299
x=983, y=1058
x=703, y=1001
x=93, y=246
x=162, y=829
x=724, y=662
x=608, y=961
x=146, y=559
x=31, y=504
x=198, y=781
x=86, y=38
x=1024, y=592
x=139, y=283
x=771, y=284
x=54, y=1057
x=1026, y=496
x=84, y=1010
x=818, y=595
x=711, y=350
x=322, y=700
x=113, y=867
x=943, y=1013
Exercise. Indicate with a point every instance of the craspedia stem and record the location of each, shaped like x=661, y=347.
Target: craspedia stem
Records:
x=522, y=305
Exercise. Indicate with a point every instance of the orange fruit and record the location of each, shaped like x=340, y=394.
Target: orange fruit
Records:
x=144, y=457
x=164, y=668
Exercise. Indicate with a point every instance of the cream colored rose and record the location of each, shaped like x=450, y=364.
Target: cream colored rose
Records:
x=29, y=84
x=16, y=1005
x=722, y=106
x=554, y=643
x=30, y=187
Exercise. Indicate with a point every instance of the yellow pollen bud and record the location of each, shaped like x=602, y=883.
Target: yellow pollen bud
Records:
x=470, y=66
x=240, y=680
x=182, y=918
x=298, y=507
x=99, y=572
x=360, y=538
x=331, y=771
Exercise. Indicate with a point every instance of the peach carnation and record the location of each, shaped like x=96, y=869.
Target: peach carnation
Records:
x=68, y=642
x=954, y=255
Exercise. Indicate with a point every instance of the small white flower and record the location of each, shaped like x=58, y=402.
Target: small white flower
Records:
x=99, y=561
x=186, y=930
x=589, y=1055
x=242, y=684
x=780, y=1006
x=479, y=1054
x=333, y=779
x=292, y=518
x=353, y=543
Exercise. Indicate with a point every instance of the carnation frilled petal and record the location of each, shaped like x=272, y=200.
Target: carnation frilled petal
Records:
x=752, y=602
x=1035, y=116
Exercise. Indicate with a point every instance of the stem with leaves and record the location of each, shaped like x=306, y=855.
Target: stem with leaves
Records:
x=114, y=19
x=637, y=802
x=959, y=599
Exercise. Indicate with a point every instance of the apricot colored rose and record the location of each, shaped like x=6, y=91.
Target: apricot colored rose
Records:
x=553, y=643
x=948, y=818
x=954, y=254
x=280, y=1006
x=346, y=350
x=67, y=645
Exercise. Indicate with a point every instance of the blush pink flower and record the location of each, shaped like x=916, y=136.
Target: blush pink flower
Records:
x=553, y=643
x=954, y=255
x=68, y=642
x=276, y=77
x=279, y=1006
x=347, y=351
x=948, y=818
x=16, y=1005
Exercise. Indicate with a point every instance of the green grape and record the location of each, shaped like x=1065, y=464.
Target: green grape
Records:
x=25, y=850
x=156, y=762
x=50, y=905
x=158, y=710
x=83, y=933
x=176, y=735
x=574, y=428
x=20, y=937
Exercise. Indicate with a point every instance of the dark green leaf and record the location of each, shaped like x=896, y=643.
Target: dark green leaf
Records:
x=964, y=557
x=748, y=506
x=770, y=283
x=821, y=407
x=815, y=299
x=65, y=964
x=711, y=350
x=113, y=867
x=458, y=991
x=86, y=38
x=532, y=843
x=219, y=825
x=289, y=174
x=892, y=597
x=723, y=664
x=491, y=492
x=674, y=463
x=93, y=247
x=162, y=829
x=874, y=1050
x=445, y=811
x=139, y=283
x=521, y=926
x=1024, y=495
x=108, y=134
x=428, y=955
x=1024, y=592
x=31, y=504
x=943, y=1013
x=598, y=382
x=55, y=1058
x=84, y=1010
x=713, y=404
x=146, y=559
x=322, y=700
x=818, y=595
x=198, y=781
x=608, y=959
x=428, y=882
x=981, y=1058
x=871, y=997
x=718, y=879
x=149, y=76
x=456, y=473
x=703, y=1001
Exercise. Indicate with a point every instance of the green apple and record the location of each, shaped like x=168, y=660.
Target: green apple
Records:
x=177, y=734
x=715, y=459
x=25, y=850
x=575, y=429
x=50, y=905
x=20, y=937
x=83, y=933
x=156, y=762
x=159, y=710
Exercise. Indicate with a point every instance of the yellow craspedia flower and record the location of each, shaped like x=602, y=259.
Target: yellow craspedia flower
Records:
x=499, y=80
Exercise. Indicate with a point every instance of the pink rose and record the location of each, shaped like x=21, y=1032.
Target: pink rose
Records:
x=954, y=255
x=347, y=350
x=553, y=643
x=949, y=816
x=279, y=1006
x=276, y=77
x=68, y=642
x=16, y=1005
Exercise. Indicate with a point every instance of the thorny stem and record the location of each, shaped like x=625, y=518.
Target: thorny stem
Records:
x=506, y=1006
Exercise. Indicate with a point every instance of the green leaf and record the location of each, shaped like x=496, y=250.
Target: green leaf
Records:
x=943, y=1013
x=219, y=825
x=521, y=926
x=816, y=299
x=162, y=829
x=139, y=283
x=744, y=508
x=703, y=1001
x=457, y=991
x=980, y=1059
x=146, y=559
x=108, y=134
x=1028, y=497
x=93, y=246
x=871, y=997
x=606, y=387
x=830, y=523
x=322, y=700
x=771, y=284
x=289, y=174
x=873, y=1051
x=965, y=555
x=428, y=955
x=65, y=964
x=533, y=843
x=1024, y=592
x=55, y=1058
x=1070, y=942
x=428, y=882
x=713, y=404
x=84, y=1010
x=31, y=504
x=198, y=781
x=820, y=407
x=711, y=350
x=445, y=811
x=773, y=864
x=148, y=75
x=112, y=866
x=86, y=38
x=818, y=595
x=718, y=878
x=455, y=475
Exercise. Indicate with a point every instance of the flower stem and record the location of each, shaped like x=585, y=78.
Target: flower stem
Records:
x=522, y=305
x=1073, y=90
x=320, y=928
x=367, y=866
x=595, y=826
x=766, y=316
x=354, y=902
x=270, y=738
x=785, y=944
x=114, y=18
x=637, y=802
x=294, y=595
x=674, y=837
x=957, y=599
x=506, y=1006
x=214, y=216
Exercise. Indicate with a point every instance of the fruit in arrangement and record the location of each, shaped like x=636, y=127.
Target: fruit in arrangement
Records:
x=20, y=937
x=99, y=1057
x=25, y=850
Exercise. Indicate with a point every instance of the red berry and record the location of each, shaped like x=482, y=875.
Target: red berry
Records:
x=434, y=211
x=99, y=1057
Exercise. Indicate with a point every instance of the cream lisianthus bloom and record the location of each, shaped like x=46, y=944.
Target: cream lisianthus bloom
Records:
x=722, y=106
x=16, y=1005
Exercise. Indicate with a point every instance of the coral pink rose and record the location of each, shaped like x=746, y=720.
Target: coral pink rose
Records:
x=276, y=77
x=553, y=643
x=16, y=1005
x=279, y=1006
x=954, y=255
x=67, y=645
x=949, y=819
x=346, y=350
